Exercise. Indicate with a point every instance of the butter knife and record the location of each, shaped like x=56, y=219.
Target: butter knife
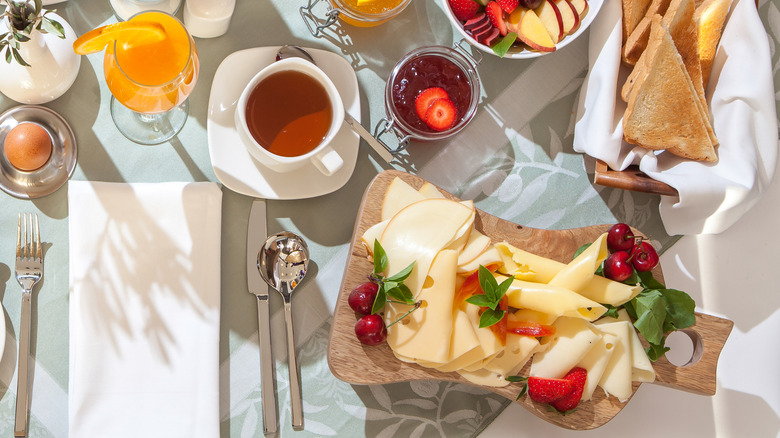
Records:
x=256, y=236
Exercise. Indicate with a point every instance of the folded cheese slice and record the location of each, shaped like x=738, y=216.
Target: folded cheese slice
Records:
x=616, y=379
x=554, y=300
x=573, y=339
x=595, y=362
x=580, y=271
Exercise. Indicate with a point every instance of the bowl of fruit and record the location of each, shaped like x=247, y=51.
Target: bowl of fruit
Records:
x=521, y=29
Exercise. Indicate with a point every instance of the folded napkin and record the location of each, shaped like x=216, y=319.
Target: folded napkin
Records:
x=712, y=197
x=144, y=309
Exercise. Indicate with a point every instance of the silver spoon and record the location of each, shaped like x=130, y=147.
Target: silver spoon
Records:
x=282, y=262
x=289, y=51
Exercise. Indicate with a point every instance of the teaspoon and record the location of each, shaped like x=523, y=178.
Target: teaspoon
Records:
x=289, y=51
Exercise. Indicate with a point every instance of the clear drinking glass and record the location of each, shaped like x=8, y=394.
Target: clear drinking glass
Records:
x=150, y=83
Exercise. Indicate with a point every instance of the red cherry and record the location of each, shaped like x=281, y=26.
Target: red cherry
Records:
x=361, y=299
x=643, y=256
x=620, y=238
x=617, y=266
x=371, y=330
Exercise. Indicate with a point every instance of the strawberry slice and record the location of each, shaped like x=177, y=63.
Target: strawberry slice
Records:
x=577, y=377
x=508, y=5
x=426, y=97
x=496, y=15
x=441, y=115
x=546, y=390
x=464, y=10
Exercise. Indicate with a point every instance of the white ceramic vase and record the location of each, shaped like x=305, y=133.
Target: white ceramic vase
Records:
x=53, y=66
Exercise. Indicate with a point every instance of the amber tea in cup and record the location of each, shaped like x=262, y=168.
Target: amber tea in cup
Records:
x=289, y=113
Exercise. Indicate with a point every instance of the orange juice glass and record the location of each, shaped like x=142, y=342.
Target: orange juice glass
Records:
x=150, y=83
x=360, y=13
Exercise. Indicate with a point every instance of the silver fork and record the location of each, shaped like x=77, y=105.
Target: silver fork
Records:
x=29, y=270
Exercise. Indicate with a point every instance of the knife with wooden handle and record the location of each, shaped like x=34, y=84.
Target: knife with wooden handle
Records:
x=256, y=236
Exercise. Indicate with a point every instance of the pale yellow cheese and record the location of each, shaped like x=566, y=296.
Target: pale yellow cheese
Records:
x=425, y=333
x=573, y=339
x=641, y=368
x=418, y=232
x=488, y=257
x=429, y=191
x=516, y=352
x=605, y=291
x=372, y=234
x=595, y=362
x=399, y=194
x=554, y=300
x=580, y=271
x=475, y=246
x=616, y=379
x=533, y=267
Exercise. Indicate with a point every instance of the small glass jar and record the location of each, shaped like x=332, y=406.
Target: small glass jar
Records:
x=426, y=67
x=348, y=12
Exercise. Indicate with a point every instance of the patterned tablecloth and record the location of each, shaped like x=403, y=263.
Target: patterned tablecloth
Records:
x=515, y=160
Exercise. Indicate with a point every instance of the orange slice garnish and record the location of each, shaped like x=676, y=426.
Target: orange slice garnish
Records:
x=130, y=33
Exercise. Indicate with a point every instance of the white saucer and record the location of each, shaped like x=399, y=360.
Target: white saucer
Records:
x=233, y=165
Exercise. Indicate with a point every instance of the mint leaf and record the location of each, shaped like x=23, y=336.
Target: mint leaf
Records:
x=651, y=311
x=379, y=301
x=490, y=317
x=480, y=300
x=503, y=287
x=401, y=293
x=487, y=282
x=500, y=48
x=380, y=258
x=680, y=308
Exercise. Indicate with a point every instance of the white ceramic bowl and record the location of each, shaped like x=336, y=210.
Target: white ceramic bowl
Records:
x=521, y=53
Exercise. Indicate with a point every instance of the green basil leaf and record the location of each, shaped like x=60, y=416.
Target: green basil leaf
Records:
x=647, y=281
x=503, y=287
x=611, y=312
x=523, y=390
x=581, y=249
x=490, y=317
x=401, y=293
x=480, y=300
x=379, y=301
x=516, y=379
x=380, y=258
x=651, y=311
x=680, y=308
x=403, y=274
x=487, y=283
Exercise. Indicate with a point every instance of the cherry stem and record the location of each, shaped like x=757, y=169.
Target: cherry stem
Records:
x=416, y=306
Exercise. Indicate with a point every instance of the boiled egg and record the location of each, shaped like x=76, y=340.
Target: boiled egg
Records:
x=27, y=146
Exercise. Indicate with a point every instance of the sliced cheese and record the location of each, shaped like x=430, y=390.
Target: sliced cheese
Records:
x=399, y=194
x=641, y=368
x=512, y=358
x=616, y=379
x=580, y=271
x=429, y=191
x=533, y=267
x=595, y=362
x=425, y=333
x=418, y=232
x=477, y=244
x=554, y=300
x=605, y=291
x=372, y=234
x=489, y=257
x=573, y=339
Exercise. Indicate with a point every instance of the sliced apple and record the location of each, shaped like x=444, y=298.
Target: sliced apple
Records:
x=532, y=32
x=550, y=15
x=581, y=6
x=513, y=20
x=568, y=16
x=576, y=17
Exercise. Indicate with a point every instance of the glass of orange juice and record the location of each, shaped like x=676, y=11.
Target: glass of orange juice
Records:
x=151, y=66
x=360, y=13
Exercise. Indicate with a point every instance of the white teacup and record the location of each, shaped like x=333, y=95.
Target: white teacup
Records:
x=323, y=157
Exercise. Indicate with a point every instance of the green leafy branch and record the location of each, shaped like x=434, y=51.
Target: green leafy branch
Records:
x=22, y=19
x=490, y=298
x=392, y=286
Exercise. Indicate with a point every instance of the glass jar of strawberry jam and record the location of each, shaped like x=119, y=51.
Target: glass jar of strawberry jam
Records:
x=354, y=12
x=426, y=68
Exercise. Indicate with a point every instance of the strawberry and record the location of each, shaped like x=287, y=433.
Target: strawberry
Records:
x=508, y=5
x=577, y=378
x=496, y=15
x=426, y=97
x=441, y=115
x=546, y=390
x=464, y=9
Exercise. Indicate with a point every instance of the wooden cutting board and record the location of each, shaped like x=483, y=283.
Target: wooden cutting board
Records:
x=355, y=363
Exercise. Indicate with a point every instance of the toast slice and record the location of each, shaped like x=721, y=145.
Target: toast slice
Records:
x=710, y=17
x=637, y=41
x=663, y=109
x=633, y=11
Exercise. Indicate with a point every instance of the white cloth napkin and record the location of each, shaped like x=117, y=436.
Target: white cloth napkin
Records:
x=712, y=197
x=144, y=309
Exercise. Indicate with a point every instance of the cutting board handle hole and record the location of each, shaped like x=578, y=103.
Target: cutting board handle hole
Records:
x=685, y=348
